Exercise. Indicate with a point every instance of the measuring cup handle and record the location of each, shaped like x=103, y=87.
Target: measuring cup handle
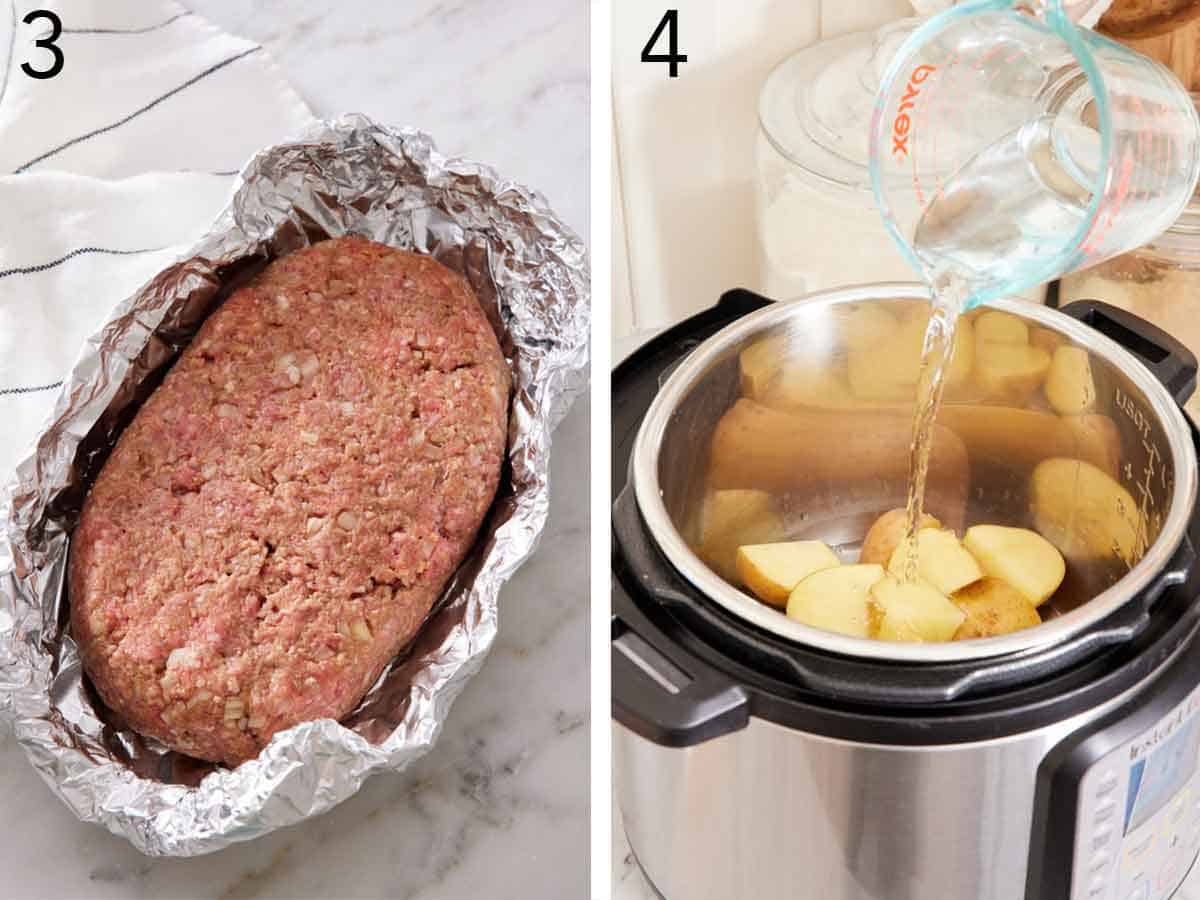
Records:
x=1167, y=359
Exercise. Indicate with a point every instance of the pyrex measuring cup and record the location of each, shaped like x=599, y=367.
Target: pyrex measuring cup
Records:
x=1009, y=146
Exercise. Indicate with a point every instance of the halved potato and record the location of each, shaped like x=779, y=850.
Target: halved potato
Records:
x=1098, y=441
x=730, y=518
x=1010, y=372
x=993, y=607
x=958, y=374
x=1084, y=512
x=772, y=570
x=797, y=385
x=1046, y=339
x=914, y=611
x=995, y=327
x=760, y=363
x=1017, y=437
x=865, y=325
x=941, y=560
x=754, y=446
x=1070, y=387
x=886, y=533
x=837, y=600
x=889, y=369
x=1019, y=557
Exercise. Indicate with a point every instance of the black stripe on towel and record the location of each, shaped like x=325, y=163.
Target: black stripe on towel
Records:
x=42, y=267
x=30, y=390
x=145, y=30
x=224, y=173
x=133, y=115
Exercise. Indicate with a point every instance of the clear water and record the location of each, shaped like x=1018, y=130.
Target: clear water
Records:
x=1003, y=215
x=1010, y=209
x=949, y=295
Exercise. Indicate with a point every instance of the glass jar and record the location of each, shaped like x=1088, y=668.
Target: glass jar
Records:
x=815, y=213
x=1159, y=282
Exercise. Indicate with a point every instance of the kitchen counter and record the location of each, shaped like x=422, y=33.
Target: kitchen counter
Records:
x=500, y=806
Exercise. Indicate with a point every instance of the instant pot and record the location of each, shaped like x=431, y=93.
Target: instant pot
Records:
x=758, y=757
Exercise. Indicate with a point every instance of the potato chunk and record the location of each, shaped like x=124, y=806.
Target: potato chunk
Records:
x=760, y=363
x=837, y=600
x=995, y=327
x=798, y=385
x=754, y=446
x=1046, y=339
x=914, y=611
x=772, y=570
x=730, y=518
x=1098, y=441
x=1010, y=372
x=889, y=370
x=1018, y=556
x=1084, y=512
x=865, y=325
x=1070, y=387
x=962, y=360
x=1018, y=437
x=886, y=533
x=992, y=608
x=941, y=560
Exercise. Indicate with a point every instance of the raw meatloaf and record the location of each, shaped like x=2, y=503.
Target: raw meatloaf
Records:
x=282, y=513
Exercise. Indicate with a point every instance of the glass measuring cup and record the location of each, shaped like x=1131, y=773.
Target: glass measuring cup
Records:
x=1009, y=146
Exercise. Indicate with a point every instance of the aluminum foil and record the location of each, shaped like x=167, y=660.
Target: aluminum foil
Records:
x=349, y=176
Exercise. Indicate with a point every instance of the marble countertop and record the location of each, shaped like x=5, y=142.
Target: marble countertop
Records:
x=499, y=808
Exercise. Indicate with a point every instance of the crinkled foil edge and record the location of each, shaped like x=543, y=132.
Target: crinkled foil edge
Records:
x=349, y=175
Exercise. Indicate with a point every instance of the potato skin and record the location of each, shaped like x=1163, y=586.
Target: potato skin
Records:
x=886, y=533
x=993, y=607
x=1084, y=512
x=757, y=447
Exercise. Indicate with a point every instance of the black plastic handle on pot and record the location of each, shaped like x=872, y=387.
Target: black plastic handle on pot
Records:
x=657, y=700
x=670, y=704
x=651, y=695
x=1168, y=360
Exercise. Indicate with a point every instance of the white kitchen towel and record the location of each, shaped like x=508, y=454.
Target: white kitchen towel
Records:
x=109, y=170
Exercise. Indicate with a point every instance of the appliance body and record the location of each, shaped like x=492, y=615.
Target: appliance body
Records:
x=1082, y=782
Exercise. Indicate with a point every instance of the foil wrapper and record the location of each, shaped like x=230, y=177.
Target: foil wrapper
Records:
x=349, y=176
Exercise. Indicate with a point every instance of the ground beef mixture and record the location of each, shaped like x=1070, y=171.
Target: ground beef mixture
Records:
x=277, y=521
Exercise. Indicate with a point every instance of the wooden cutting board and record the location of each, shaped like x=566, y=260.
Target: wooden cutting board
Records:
x=1165, y=30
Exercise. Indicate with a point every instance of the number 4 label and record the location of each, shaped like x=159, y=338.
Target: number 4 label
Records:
x=669, y=23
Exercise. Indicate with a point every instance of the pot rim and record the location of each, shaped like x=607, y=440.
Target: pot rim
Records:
x=648, y=492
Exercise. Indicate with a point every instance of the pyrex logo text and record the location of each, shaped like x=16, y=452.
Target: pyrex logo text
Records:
x=903, y=122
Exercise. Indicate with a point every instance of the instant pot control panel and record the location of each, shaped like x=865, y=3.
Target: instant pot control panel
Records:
x=1118, y=809
x=1139, y=813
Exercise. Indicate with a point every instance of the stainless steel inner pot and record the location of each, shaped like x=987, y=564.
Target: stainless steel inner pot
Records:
x=834, y=461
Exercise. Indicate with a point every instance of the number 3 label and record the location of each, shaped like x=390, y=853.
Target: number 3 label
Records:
x=46, y=43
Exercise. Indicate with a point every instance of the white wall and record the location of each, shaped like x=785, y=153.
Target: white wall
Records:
x=684, y=146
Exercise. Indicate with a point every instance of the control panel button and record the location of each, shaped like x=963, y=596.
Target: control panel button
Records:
x=1107, y=782
x=1100, y=861
x=1141, y=847
x=1101, y=837
x=1105, y=810
x=1177, y=810
x=1140, y=892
